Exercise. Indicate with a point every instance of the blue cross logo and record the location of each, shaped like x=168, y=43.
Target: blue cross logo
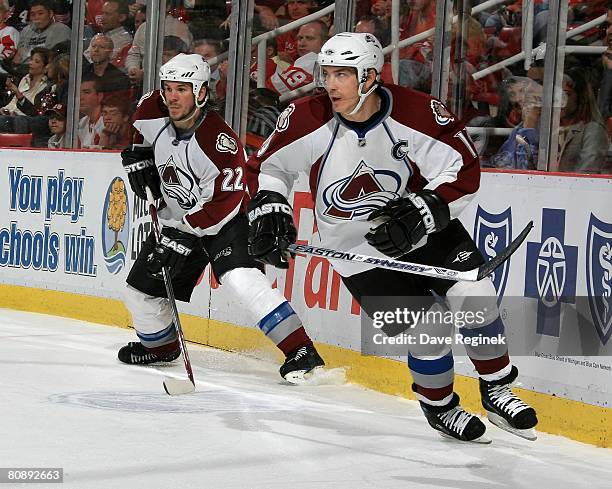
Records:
x=550, y=274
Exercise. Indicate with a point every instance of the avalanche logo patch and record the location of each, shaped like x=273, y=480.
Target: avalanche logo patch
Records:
x=599, y=276
x=441, y=113
x=360, y=193
x=283, y=120
x=178, y=184
x=226, y=144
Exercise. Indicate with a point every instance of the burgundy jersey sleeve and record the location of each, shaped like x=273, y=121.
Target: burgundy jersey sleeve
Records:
x=298, y=141
x=219, y=164
x=151, y=106
x=441, y=147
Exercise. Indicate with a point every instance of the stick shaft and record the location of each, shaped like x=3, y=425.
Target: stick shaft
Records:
x=170, y=291
x=417, y=268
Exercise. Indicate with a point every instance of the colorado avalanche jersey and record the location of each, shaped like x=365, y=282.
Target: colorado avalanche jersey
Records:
x=414, y=143
x=201, y=174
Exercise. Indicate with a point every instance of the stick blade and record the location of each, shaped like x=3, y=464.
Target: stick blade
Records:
x=178, y=387
x=489, y=267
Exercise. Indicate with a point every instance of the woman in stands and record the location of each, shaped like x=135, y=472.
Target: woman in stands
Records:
x=30, y=85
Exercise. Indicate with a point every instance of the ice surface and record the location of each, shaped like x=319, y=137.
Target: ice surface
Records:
x=66, y=401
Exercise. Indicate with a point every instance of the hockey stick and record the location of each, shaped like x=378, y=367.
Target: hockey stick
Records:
x=416, y=268
x=173, y=387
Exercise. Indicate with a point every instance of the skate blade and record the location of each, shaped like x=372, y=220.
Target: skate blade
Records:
x=482, y=440
x=301, y=377
x=178, y=387
x=497, y=420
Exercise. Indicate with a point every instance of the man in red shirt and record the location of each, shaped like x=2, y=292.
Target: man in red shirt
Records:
x=287, y=43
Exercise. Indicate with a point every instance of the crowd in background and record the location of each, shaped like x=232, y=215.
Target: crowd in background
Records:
x=34, y=69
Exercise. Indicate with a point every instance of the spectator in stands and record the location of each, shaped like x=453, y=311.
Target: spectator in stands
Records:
x=209, y=49
x=520, y=151
x=57, y=126
x=266, y=16
x=30, y=85
x=583, y=139
x=114, y=14
x=42, y=31
x=172, y=46
x=286, y=44
x=135, y=56
x=310, y=39
x=420, y=18
x=116, y=133
x=35, y=121
x=378, y=9
x=110, y=78
x=93, y=14
x=9, y=36
x=91, y=124
x=18, y=14
x=605, y=92
x=373, y=25
x=140, y=16
x=63, y=11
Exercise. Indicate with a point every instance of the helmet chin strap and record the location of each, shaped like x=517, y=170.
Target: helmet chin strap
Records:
x=190, y=116
x=362, y=96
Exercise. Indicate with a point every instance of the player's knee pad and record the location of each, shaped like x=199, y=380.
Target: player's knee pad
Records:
x=476, y=298
x=254, y=290
x=149, y=314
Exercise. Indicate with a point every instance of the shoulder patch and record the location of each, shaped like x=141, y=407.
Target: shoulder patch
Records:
x=282, y=122
x=226, y=144
x=441, y=113
x=144, y=97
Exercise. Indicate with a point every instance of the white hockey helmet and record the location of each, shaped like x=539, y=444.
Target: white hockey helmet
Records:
x=187, y=68
x=358, y=50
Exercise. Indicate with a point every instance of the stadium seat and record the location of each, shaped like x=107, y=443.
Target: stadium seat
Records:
x=16, y=140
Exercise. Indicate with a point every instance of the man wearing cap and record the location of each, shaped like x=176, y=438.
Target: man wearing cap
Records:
x=57, y=126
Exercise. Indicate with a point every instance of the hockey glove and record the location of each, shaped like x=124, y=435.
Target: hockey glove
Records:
x=271, y=228
x=171, y=251
x=402, y=223
x=139, y=164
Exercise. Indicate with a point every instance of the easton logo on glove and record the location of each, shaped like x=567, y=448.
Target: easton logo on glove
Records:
x=271, y=208
x=174, y=246
x=139, y=165
x=428, y=218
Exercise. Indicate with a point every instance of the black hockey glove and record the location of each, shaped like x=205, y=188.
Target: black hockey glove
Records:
x=171, y=251
x=271, y=228
x=402, y=223
x=139, y=164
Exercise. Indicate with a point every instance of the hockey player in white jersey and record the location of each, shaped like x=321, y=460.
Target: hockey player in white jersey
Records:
x=193, y=162
x=390, y=170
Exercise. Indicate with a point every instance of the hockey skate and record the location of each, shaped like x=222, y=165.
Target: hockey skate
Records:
x=505, y=410
x=300, y=364
x=452, y=421
x=134, y=353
